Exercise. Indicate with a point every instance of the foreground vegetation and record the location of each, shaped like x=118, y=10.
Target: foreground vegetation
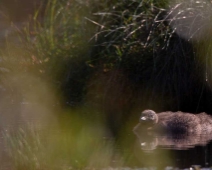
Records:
x=106, y=60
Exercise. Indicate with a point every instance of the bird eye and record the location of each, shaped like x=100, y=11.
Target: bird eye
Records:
x=151, y=117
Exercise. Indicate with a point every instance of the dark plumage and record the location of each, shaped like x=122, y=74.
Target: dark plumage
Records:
x=176, y=122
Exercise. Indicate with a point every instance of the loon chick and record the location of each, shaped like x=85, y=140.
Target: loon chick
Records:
x=176, y=122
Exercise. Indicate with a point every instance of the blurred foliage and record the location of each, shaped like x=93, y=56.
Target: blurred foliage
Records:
x=77, y=143
x=117, y=57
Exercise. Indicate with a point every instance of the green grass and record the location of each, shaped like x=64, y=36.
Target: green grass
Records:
x=66, y=42
x=75, y=143
x=131, y=52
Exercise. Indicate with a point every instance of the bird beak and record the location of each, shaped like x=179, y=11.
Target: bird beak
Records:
x=143, y=118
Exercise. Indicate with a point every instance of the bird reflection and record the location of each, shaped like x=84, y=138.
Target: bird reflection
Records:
x=150, y=141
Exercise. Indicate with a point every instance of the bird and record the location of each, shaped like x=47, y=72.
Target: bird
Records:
x=176, y=123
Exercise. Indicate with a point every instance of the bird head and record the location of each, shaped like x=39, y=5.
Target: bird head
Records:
x=149, y=117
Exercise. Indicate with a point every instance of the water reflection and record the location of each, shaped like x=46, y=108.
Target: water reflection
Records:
x=150, y=140
x=183, y=151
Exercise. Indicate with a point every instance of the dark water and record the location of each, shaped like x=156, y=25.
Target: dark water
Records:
x=173, y=151
x=132, y=153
